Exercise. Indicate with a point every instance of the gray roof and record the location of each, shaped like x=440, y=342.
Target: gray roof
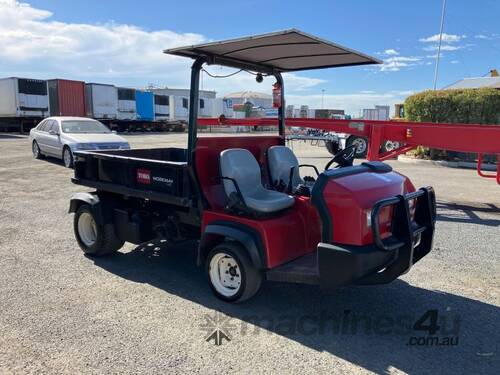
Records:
x=476, y=83
x=282, y=51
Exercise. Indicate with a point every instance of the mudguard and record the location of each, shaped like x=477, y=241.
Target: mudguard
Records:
x=77, y=199
x=219, y=231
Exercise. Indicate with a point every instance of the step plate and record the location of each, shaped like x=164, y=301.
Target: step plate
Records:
x=303, y=270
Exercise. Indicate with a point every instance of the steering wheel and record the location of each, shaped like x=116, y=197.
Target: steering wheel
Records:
x=343, y=158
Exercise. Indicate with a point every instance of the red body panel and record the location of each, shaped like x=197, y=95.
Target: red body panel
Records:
x=285, y=237
x=350, y=198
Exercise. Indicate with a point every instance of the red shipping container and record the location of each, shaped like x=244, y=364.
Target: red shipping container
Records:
x=66, y=98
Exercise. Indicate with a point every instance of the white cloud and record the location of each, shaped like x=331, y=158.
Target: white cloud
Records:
x=390, y=52
x=33, y=44
x=394, y=64
x=482, y=36
x=444, y=47
x=454, y=62
x=447, y=38
x=351, y=103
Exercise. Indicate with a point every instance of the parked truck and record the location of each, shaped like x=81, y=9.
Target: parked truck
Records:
x=24, y=102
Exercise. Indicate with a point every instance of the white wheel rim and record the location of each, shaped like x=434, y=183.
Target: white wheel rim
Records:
x=87, y=229
x=35, y=149
x=225, y=274
x=360, y=145
x=390, y=145
x=67, y=157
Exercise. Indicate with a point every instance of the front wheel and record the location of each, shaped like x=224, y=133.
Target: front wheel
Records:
x=37, y=154
x=231, y=274
x=67, y=157
x=94, y=239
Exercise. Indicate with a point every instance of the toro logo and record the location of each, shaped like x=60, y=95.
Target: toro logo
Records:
x=144, y=176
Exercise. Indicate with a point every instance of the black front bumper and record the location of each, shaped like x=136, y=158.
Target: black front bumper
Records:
x=388, y=258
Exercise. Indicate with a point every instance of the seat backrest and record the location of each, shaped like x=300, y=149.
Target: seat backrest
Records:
x=240, y=164
x=280, y=160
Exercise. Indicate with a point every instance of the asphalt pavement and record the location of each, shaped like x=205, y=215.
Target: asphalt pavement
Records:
x=148, y=309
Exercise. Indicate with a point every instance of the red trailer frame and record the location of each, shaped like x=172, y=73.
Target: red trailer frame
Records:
x=473, y=138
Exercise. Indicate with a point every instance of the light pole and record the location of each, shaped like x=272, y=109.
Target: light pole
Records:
x=323, y=99
x=436, y=70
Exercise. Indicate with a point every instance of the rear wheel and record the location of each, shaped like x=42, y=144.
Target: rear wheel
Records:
x=361, y=144
x=67, y=157
x=37, y=154
x=231, y=274
x=94, y=239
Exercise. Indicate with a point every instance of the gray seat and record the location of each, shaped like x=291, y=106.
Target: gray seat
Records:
x=240, y=165
x=281, y=160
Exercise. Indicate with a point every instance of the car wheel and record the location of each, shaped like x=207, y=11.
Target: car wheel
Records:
x=94, y=239
x=67, y=157
x=361, y=144
x=37, y=154
x=231, y=274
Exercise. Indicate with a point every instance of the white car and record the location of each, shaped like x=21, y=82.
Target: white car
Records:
x=60, y=136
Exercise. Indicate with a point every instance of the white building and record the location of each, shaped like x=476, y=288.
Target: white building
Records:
x=380, y=112
x=258, y=99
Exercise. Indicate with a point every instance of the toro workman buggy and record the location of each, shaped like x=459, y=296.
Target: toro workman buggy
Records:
x=244, y=199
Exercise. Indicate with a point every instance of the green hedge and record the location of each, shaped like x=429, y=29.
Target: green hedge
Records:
x=472, y=106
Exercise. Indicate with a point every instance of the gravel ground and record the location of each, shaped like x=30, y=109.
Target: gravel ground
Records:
x=145, y=309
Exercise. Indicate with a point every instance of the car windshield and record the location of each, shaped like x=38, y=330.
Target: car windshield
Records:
x=85, y=126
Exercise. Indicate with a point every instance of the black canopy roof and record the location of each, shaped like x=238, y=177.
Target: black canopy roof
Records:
x=283, y=51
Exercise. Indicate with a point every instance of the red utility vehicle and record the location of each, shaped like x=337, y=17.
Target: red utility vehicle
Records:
x=243, y=197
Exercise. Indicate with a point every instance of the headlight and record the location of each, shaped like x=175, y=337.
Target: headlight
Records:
x=85, y=146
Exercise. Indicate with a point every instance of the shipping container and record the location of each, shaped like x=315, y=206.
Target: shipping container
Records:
x=66, y=98
x=144, y=105
x=23, y=97
x=101, y=101
x=161, y=107
x=126, y=104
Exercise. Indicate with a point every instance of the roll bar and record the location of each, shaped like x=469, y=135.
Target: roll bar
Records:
x=194, y=96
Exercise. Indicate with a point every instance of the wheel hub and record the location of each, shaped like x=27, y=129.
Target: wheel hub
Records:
x=225, y=274
x=87, y=229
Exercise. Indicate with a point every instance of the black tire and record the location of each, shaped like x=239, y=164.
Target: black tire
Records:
x=332, y=147
x=106, y=241
x=362, y=143
x=37, y=153
x=251, y=277
x=68, y=163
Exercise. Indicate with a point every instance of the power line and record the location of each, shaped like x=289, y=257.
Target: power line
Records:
x=436, y=70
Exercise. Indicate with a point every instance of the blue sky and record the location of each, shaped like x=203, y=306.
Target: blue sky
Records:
x=121, y=41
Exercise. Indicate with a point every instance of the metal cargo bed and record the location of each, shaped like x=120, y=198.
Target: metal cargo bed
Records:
x=160, y=174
